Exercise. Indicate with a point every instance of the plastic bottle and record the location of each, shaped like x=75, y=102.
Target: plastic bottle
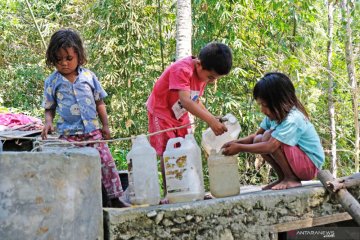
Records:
x=182, y=161
x=143, y=174
x=223, y=175
x=210, y=141
x=1, y=146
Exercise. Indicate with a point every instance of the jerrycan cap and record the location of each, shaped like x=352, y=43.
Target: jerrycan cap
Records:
x=140, y=140
x=140, y=137
x=231, y=119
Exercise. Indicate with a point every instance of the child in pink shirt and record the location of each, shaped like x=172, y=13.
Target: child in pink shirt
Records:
x=178, y=90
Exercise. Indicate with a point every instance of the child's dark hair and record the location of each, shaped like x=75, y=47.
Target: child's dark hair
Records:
x=278, y=92
x=216, y=57
x=65, y=38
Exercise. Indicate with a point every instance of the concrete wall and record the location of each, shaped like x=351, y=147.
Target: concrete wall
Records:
x=54, y=194
x=254, y=215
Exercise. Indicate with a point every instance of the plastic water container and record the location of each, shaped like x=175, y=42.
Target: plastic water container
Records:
x=182, y=173
x=223, y=175
x=210, y=141
x=143, y=173
x=199, y=166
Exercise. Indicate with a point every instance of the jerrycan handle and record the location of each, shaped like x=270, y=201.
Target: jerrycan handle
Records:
x=172, y=141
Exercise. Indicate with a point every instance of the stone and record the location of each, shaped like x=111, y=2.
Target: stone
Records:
x=167, y=223
x=151, y=214
x=226, y=235
x=198, y=219
x=189, y=218
x=179, y=220
x=159, y=217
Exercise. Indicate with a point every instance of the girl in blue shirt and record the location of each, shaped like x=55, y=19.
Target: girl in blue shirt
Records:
x=286, y=138
x=76, y=94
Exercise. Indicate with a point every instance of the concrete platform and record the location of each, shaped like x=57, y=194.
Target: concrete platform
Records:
x=254, y=214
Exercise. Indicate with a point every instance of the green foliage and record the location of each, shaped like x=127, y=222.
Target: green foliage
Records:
x=124, y=50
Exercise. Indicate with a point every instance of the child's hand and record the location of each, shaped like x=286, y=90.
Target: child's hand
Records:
x=218, y=127
x=106, y=132
x=48, y=128
x=229, y=148
x=229, y=143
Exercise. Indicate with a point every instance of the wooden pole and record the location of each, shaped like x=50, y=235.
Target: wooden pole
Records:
x=349, y=203
x=345, y=182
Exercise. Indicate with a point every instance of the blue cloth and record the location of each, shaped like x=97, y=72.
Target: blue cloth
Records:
x=297, y=130
x=75, y=102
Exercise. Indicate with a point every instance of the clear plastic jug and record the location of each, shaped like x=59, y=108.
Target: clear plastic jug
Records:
x=143, y=173
x=210, y=141
x=182, y=163
x=224, y=176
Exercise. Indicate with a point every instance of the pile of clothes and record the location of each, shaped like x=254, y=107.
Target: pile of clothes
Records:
x=18, y=121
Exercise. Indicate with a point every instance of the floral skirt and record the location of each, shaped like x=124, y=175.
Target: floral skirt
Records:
x=109, y=173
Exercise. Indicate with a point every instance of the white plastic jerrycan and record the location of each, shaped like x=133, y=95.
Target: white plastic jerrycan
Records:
x=223, y=175
x=182, y=163
x=210, y=141
x=143, y=173
x=199, y=166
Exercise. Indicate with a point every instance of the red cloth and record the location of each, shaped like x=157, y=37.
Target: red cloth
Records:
x=300, y=163
x=159, y=141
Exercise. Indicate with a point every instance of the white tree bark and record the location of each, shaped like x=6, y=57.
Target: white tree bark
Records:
x=331, y=89
x=183, y=29
x=351, y=74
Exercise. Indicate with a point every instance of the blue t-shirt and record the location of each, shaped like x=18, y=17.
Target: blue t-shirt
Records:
x=297, y=130
x=75, y=102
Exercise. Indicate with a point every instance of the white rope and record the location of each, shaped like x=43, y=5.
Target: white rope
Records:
x=57, y=142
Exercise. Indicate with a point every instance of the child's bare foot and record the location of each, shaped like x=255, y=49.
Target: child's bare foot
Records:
x=208, y=196
x=119, y=203
x=164, y=201
x=270, y=185
x=286, y=183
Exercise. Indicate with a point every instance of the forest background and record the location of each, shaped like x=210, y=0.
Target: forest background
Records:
x=130, y=42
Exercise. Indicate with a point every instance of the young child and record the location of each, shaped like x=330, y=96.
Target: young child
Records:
x=76, y=94
x=286, y=138
x=178, y=90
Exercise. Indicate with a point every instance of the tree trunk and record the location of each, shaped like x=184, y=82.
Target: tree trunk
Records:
x=183, y=35
x=331, y=89
x=183, y=29
x=346, y=18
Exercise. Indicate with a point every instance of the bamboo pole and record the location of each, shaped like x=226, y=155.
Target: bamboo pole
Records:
x=349, y=203
x=37, y=26
x=346, y=182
